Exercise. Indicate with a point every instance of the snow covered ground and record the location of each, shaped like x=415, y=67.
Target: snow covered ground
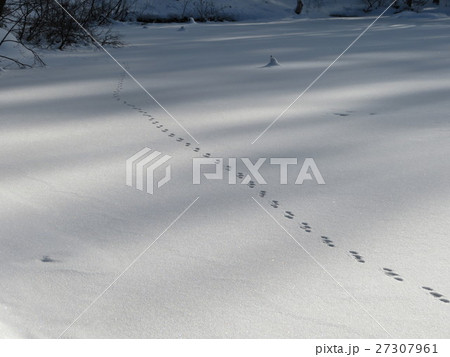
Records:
x=377, y=125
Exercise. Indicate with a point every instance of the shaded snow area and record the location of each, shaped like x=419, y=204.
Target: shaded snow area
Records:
x=12, y=54
x=376, y=124
x=268, y=9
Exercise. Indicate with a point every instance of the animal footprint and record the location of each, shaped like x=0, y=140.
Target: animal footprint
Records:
x=327, y=241
x=207, y=155
x=392, y=274
x=358, y=257
x=289, y=215
x=171, y=135
x=262, y=194
x=436, y=294
x=251, y=184
x=155, y=122
x=275, y=204
x=187, y=144
x=180, y=140
x=228, y=168
x=197, y=149
x=165, y=130
x=240, y=175
x=342, y=114
x=159, y=126
x=306, y=227
x=47, y=259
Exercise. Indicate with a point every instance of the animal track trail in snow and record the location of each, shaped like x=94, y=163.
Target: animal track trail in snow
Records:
x=357, y=256
x=287, y=214
x=327, y=241
x=274, y=203
x=389, y=272
x=436, y=295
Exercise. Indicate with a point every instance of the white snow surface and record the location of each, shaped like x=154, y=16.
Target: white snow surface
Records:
x=376, y=124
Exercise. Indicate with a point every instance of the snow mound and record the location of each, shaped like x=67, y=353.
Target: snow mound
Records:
x=182, y=28
x=13, y=55
x=273, y=62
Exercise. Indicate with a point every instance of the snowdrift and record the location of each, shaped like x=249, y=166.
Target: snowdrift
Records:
x=13, y=54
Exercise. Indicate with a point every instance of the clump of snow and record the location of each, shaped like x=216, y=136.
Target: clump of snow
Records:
x=182, y=28
x=273, y=62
